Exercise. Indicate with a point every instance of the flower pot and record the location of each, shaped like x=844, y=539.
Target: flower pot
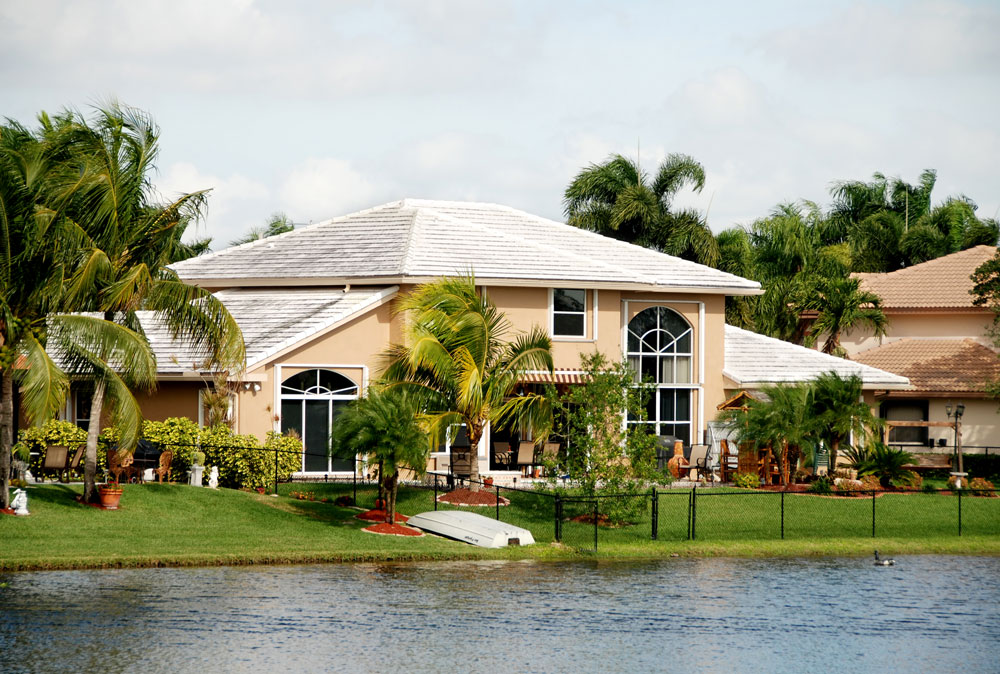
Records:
x=488, y=481
x=109, y=496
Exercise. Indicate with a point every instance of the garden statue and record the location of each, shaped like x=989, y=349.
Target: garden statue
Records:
x=213, y=478
x=20, y=502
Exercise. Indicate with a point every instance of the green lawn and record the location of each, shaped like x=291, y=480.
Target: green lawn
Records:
x=181, y=525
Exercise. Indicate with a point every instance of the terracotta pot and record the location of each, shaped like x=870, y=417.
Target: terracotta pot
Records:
x=109, y=496
x=488, y=481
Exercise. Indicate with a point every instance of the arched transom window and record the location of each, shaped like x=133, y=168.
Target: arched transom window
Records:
x=659, y=344
x=310, y=401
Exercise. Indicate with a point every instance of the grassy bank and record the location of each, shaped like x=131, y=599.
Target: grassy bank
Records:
x=177, y=525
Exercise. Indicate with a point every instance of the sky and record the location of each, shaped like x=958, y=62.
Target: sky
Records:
x=318, y=109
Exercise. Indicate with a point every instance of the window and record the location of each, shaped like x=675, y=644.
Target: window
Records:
x=310, y=401
x=659, y=351
x=569, y=312
x=82, y=399
x=909, y=410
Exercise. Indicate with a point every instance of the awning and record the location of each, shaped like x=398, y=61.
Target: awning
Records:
x=557, y=377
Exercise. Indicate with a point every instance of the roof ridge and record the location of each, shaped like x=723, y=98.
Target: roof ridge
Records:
x=408, y=243
x=966, y=252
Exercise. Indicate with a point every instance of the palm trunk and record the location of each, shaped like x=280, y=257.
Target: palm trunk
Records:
x=391, y=482
x=784, y=464
x=834, y=448
x=93, y=430
x=475, y=433
x=6, y=437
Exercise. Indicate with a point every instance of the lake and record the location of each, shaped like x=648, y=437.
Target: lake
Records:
x=926, y=613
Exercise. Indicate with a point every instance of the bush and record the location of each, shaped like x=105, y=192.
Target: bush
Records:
x=177, y=434
x=981, y=487
x=928, y=488
x=34, y=440
x=986, y=466
x=821, y=485
x=746, y=480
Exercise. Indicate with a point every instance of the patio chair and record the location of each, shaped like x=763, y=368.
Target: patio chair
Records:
x=698, y=461
x=74, y=464
x=164, y=468
x=118, y=465
x=55, y=461
x=525, y=456
x=502, y=454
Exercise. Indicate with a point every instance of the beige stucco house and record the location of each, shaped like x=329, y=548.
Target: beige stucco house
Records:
x=316, y=306
x=940, y=342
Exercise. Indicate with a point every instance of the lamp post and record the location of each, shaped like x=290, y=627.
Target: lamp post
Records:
x=957, y=414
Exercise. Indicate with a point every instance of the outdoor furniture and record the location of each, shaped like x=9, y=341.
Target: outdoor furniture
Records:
x=525, y=456
x=930, y=462
x=729, y=462
x=118, y=465
x=698, y=461
x=747, y=460
x=55, y=461
x=74, y=463
x=768, y=466
x=163, y=470
x=461, y=461
x=502, y=454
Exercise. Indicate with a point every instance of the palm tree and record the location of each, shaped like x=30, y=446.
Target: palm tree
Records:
x=843, y=306
x=616, y=199
x=385, y=426
x=278, y=223
x=130, y=240
x=457, y=361
x=839, y=411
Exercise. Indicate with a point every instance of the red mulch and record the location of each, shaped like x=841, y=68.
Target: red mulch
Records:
x=467, y=497
x=6, y=511
x=378, y=515
x=392, y=530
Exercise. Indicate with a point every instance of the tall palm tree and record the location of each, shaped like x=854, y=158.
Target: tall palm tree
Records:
x=616, y=199
x=457, y=360
x=130, y=240
x=843, y=306
x=278, y=223
x=838, y=411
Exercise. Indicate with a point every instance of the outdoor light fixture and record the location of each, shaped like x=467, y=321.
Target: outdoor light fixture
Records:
x=957, y=413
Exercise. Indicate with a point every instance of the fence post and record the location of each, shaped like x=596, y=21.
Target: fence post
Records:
x=656, y=512
x=694, y=512
x=276, y=469
x=873, y=513
x=595, y=524
x=498, y=502
x=355, y=481
x=559, y=513
x=959, y=512
x=435, y=491
x=782, y=515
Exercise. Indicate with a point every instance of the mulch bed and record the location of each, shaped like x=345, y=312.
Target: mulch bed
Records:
x=378, y=515
x=384, y=529
x=6, y=511
x=466, y=497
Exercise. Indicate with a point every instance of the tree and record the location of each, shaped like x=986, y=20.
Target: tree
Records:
x=457, y=361
x=781, y=420
x=616, y=199
x=130, y=239
x=885, y=463
x=843, y=306
x=839, y=411
x=384, y=425
x=278, y=223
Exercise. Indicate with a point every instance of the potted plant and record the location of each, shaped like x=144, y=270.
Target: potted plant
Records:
x=109, y=494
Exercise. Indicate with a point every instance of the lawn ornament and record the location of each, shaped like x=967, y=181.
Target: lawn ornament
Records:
x=20, y=502
x=213, y=478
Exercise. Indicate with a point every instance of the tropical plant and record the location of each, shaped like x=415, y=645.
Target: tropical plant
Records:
x=458, y=364
x=384, y=426
x=885, y=463
x=130, y=239
x=841, y=306
x=278, y=223
x=839, y=411
x=615, y=198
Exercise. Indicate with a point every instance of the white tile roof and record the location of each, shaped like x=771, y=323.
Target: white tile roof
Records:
x=271, y=320
x=754, y=360
x=415, y=240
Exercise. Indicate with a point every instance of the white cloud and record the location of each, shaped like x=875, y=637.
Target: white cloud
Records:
x=323, y=188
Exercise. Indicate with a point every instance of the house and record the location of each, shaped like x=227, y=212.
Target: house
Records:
x=940, y=342
x=316, y=306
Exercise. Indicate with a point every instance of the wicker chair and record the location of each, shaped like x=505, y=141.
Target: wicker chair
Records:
x=164, y=468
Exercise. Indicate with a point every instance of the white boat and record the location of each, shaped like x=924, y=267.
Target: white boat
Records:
x=471, y=528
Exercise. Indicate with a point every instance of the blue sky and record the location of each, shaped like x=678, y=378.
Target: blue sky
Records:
x=320, y=108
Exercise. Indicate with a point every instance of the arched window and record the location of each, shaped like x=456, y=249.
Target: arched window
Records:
x=310, y=401
x=659, y=344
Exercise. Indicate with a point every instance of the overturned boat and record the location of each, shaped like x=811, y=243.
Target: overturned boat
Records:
x=471, y=528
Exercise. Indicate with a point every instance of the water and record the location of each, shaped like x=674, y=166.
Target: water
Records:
x=927, y=613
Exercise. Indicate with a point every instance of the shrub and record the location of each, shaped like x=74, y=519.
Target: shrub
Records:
x=981, y=487
x=928, y=488
x=746, y=480
x=953, y=481
x=986, y=466
x=34, y=440
x=821, y=485
x=177, y=434
x=885, y=463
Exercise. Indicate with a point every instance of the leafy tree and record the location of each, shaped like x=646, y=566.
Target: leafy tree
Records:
x=130, y=239
x=603, y=454
x=843, y=306
x=838, y=411
x=384, y=425
x=457, y=360
x=616, y=199
x=278, y=223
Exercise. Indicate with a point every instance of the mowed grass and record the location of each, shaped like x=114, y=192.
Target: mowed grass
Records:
x=180, y=525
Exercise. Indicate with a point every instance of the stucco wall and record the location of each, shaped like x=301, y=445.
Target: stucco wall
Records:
x=171, y=399
x=942, y=325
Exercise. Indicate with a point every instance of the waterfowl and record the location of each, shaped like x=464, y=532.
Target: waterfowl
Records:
x=883, y=562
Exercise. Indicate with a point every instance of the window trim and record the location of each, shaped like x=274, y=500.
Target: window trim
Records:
x=589, y=335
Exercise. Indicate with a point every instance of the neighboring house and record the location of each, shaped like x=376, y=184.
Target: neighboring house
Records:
x=940, y=341
x=316, y=306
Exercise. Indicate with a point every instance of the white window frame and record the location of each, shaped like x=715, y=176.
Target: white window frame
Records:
x=585, y=337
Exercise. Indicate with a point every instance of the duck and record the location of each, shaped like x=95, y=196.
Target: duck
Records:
x=883, y=562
